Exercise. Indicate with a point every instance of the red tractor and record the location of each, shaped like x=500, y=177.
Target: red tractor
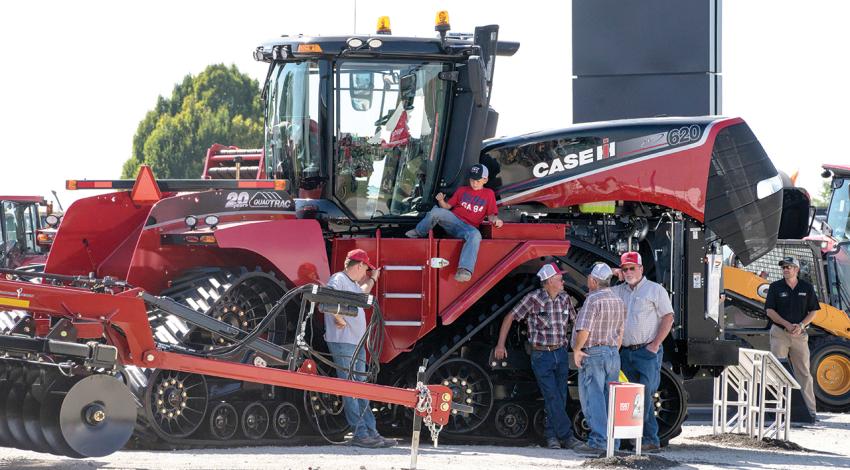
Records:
x=189, y=282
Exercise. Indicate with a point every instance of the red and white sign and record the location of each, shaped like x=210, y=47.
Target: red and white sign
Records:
x=625, y=413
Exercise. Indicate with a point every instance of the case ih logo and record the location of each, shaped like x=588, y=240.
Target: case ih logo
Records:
x=575, y=160
x=260, y=200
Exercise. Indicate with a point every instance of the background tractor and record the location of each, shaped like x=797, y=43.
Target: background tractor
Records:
x=825, y=262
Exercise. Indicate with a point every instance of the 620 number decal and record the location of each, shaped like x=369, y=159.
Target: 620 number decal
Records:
x=684, y=135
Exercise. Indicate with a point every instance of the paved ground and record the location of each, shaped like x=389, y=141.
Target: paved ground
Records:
x=828, y=444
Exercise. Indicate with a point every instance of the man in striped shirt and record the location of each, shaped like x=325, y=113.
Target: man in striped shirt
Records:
x=596, y=337
x=547, y=311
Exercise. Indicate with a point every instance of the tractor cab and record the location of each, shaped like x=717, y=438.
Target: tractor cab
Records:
x=377, y=124
x=837, y=231
x=19, y=227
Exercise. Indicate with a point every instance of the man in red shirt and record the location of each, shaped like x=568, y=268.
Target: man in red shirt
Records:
x=460, y=217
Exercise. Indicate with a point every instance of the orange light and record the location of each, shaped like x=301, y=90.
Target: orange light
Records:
x=44, y=238
x=442, y=19
x=384, y=25
x=207, y=239
x=280, y=185
x=309, y=48
x=71, y=185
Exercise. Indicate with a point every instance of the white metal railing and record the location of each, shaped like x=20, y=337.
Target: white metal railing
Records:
x=762, y=387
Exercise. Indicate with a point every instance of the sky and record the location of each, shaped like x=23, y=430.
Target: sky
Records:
x=77, y=77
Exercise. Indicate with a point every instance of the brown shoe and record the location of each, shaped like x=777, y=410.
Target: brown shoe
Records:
x=463, y=275
x=649, y=448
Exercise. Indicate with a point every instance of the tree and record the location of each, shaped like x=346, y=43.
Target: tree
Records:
x=219, y=105
x=822, y=200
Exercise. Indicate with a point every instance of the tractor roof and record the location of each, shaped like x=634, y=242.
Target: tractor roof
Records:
x=34, y=199
x=456, y=45
x=838, y=170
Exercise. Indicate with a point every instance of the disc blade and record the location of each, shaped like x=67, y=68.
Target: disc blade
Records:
x=13, y=375
x=97, y=416
x=49, y=418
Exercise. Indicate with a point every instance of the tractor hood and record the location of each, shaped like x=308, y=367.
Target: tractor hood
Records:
x=712, y=169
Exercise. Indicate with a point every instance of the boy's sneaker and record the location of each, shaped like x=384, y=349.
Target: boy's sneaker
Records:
x=369, y=442
x=553, y=443
x=412, y=234
x=463, y=275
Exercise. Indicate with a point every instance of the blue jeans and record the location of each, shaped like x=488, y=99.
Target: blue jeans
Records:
x=644, y=366
x=456, y=228
x=551, y=369
x=358, y=413
x=602, y=365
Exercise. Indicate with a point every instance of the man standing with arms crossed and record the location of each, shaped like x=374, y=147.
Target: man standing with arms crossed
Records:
x=649, y=318
x=597, y=335
x=791, y=305
x=547, y=311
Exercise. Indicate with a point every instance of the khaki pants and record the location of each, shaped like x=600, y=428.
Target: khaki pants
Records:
x=795, y=348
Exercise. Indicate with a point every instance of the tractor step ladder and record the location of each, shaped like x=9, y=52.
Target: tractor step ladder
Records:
x=414, y=301
x=762, y=387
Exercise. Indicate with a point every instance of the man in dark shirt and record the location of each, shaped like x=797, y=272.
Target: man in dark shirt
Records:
x=791, y=305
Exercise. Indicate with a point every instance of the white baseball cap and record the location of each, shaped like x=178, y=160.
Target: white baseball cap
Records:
x=548, y=270
x=601, y=271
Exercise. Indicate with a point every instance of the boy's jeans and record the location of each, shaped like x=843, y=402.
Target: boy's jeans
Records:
x=456, y=228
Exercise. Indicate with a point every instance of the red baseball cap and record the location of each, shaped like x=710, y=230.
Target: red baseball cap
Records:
x=360, y=255
x=630, y=257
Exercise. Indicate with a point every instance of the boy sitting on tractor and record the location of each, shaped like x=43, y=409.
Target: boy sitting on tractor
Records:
x=460, y=217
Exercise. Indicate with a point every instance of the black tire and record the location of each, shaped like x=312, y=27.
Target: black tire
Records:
x=830, y=368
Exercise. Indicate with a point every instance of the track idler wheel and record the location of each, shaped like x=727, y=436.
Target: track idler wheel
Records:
x=93, y=418
x=286, y=420
x=223, y=421
x=254, y=420
x=175, y=402
x=511, y=420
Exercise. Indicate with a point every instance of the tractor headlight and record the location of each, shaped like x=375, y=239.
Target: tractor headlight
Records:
x=768, y=186
x=52, y=220
x=211, y=220
x=191, y=221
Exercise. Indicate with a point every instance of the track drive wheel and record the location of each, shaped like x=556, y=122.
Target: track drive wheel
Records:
x=671, y=405
x=830, y=365
x=470, y=386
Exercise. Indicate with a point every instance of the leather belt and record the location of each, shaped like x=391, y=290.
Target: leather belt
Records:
x=545, y=347
x=635, y=347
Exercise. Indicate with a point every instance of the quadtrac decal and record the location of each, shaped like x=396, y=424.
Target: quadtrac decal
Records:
x=259, y=200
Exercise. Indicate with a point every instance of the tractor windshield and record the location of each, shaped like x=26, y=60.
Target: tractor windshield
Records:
x=19, y=224
x=292, y=113
x=838, y=214
x=389, y=117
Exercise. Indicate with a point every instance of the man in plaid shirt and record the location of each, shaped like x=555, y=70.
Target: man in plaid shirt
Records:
x=596, y=337
x=547, y=311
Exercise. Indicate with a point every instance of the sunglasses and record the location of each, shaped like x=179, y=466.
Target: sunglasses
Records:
x=788, y=266
x=630, y=268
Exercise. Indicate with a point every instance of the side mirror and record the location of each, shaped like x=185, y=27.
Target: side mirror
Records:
x=477, y=80
x=362, y=85
x=407, y=89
